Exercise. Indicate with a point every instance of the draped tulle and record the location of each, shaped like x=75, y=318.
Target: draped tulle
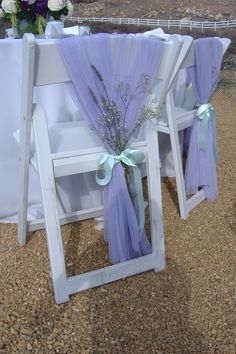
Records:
x=120, y=220
x=118, y=58
x=201, y=165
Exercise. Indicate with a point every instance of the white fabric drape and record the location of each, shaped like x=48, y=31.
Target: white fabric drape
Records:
x=10, y=94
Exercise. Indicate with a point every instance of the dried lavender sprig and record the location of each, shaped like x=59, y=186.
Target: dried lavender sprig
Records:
x=97, y=72
x=112, y=123
x=100, y=77
x=92, y=94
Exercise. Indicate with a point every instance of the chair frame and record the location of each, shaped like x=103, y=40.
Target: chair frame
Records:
x=38, y=71
x=175, y=124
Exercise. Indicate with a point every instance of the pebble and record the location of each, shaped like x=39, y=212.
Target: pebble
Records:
x=29, y=346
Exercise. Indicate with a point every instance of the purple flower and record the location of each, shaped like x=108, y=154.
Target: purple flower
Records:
x=24, y=6
x=41, y=7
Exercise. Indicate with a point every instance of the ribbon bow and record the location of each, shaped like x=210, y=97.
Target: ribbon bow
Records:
x=130, y=158
x=205, y=113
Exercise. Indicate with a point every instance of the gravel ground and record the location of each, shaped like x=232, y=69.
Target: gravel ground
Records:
x=188, y=308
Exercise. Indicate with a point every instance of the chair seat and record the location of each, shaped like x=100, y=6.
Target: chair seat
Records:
x=73, y=138
x=184, y=118
x=70, y=136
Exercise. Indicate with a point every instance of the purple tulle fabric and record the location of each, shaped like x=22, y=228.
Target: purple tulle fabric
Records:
x=204, y=75
x=118, y=57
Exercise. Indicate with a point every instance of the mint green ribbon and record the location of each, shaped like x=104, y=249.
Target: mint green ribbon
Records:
x=205, y=113
x=130, y=158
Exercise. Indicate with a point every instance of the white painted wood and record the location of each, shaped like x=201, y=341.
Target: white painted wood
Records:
x=178, y=119
x=111, y=273
x=25, y=132
x=195, y=199
x=51, y=216
x=226, y=43
x=167, y=66
x=46, y=68
x=177, y=159
x=53, y=164
x=67, y=218
x=155, y=197
x=156, y=23
x=80, y=164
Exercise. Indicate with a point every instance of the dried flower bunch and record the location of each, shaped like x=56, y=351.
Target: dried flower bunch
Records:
x=113, y=122
x=112, y=116
x=38, y=11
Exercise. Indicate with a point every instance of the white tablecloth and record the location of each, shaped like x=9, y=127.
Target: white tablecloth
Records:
x=76, y=191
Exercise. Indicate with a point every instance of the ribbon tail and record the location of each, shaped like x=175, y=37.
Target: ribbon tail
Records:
x=106, y=165
x=213, y=120
x=130, y=158
x=140, y=200
x=203, y=133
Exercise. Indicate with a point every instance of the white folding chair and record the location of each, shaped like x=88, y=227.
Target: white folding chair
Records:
x=174, y=119
x=39, y=71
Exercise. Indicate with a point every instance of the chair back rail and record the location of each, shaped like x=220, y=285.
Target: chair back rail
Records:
x=49, y=67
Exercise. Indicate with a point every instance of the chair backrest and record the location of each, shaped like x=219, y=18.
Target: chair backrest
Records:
x=186, y=59
x=189, y=60
x=42, y=65
x=186, y=44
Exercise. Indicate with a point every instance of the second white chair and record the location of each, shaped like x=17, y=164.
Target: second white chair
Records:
x=177, y=116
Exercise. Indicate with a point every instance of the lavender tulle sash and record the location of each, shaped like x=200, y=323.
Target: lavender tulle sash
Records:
x=118, y=58
x=201, y=164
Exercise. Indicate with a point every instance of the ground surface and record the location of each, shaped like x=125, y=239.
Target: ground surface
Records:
x=158, y=8
x=189, y=308
x=196, y=10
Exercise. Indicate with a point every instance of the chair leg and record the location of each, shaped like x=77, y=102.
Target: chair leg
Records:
x=155, y=199
x=23, y=204
x=179, y=176
x=51, y=215
x=24, y=180
x=178, y=166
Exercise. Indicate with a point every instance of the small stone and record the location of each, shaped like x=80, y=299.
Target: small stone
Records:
x=185, y=19
x=233, y=297
x=21, y=345
x=213, y=331
x=219, y=17
x=25, y=331
x=188, y=11
x=29, y=346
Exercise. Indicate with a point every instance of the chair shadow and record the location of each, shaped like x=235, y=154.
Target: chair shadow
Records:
x=85, y=248
x=230, y=214
x=146, y=313
x=170, y=184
